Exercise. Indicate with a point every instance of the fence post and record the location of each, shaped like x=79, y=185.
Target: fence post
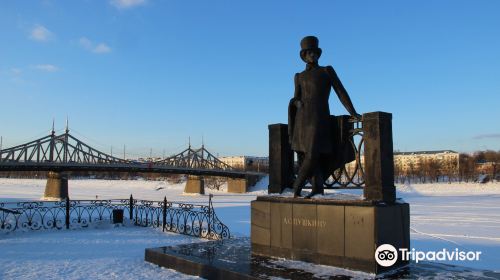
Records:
x=164, y=212
x=67, y=212
x=209, y=214
x=131, y=208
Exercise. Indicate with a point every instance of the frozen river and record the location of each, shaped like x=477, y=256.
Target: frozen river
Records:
x=443, y=216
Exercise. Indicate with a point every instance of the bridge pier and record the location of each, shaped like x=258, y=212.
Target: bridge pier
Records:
x=237, y=185
x=241, y=185
x=57, y=186
x=195, y=184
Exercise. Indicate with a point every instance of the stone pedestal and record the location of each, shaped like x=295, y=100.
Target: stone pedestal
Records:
x=195, y=184
x=57, y=186
x=328, y=231
x=280, y=158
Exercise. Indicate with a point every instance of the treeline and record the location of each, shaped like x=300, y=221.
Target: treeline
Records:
x=484, y=163
x=480, y=166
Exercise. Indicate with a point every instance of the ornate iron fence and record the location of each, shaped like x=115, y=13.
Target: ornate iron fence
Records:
x=190, y=219
x=351, y=174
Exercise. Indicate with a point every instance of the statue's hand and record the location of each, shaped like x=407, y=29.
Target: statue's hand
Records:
x=356, y=116
x=298, y=104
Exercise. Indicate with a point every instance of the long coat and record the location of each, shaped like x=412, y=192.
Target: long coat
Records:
x=309, y=113
x=310, y=124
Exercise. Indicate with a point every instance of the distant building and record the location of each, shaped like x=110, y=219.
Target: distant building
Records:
x=448, y=160
x=247, y=162
x=149, y=159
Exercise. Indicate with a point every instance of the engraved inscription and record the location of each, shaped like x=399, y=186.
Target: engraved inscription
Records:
x=304, y=222
x=358, y=220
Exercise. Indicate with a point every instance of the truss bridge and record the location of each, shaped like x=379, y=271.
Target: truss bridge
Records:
x=65, y=152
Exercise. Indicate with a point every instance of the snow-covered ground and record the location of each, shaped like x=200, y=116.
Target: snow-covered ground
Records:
x=100, y=253
x=463, y=216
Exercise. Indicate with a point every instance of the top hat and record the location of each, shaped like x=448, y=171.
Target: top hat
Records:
x=309, y=43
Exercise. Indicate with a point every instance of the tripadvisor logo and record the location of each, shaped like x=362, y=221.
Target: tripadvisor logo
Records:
x=386, y=255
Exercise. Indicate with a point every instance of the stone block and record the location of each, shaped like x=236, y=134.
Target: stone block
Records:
x=393, y=225
x=280, y=158
x=195, y=184
x=281, y=231
x=304, y=225
x=237, y=185
x=260, y=214
x=330, y=234
x=359, y=232
x=261, y=223
x=260, y=235
x=379, y=158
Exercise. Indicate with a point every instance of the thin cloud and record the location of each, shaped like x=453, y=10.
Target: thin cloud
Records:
x=100, y=48
x=16, y=71
x=16, y=75
x=46, y=67
x=125, y=4
x=485, y=136
x=40, y=33
x=85, y=43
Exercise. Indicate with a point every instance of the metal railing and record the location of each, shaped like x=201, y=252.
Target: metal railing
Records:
x=189, y=219
x=351, y=174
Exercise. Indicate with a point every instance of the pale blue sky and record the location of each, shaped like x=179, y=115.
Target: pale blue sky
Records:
x=149, y=74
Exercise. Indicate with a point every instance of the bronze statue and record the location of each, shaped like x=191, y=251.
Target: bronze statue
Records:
x=310, y=132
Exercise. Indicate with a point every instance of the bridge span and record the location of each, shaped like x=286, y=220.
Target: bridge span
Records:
x=122, y=167
x=63, y=153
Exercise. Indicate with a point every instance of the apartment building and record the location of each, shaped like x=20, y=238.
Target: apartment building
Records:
x=448, y=160
x=247, y=162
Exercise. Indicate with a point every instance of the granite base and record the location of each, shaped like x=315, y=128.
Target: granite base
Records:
x=342, y=233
